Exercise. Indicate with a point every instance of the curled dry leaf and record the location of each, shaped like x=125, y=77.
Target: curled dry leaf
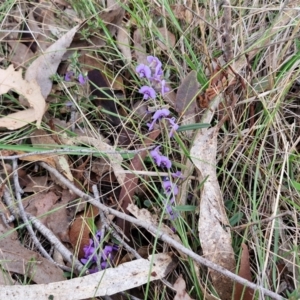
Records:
x=180, y=287
x=214, y=236
x=47, y=63
x=113, y=280
x=12, y=80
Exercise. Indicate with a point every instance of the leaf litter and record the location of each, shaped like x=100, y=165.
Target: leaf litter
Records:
x=95, y=109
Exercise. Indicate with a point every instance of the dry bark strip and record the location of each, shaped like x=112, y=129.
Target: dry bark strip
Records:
x=214, y=234
x=107, y=282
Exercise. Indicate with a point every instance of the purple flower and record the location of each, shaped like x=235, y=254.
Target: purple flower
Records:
x=107, y=251
x=89, y=250
x=156, y=64
x=161, y=113
x=155, y=154
x=174, y=126
x=148, y=92
x=165, y=162
x=170, y=188
x=82, y=79
x=69, y=75
x=143, y=71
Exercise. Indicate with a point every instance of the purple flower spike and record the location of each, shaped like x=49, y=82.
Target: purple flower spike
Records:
x=148, y=92
x=143, y=71
x=69, y=75
x=82, y=79
x=165, y=162
x=155, y=154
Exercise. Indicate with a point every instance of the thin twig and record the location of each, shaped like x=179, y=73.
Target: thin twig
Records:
x=266, y=220
x=161, y=235
x=22, y=213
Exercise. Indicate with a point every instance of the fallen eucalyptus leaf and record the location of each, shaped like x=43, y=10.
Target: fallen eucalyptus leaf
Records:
x=107, y=282
x=12, y=80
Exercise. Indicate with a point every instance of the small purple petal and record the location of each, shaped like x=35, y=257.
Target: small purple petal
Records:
x=82, y=79
x=170, y=188
x=161, y=113
x=89, y=249
x=84, y=260
x=177, y=174
x=151, y=125
x=148, y=92
x=143, y=71
x=156, y=64
x=93, y=270
x=69, y=75
x=155, y=154
x=165, y=162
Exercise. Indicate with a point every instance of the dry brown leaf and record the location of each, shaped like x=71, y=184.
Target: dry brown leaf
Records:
x=241, y=292
x=146, y=216
x=168, y=39
x=187, y=93
x=20, y=54
x=180, y=287
x=215, y=237
x=36, y=184
x=18, y=259
x=188, y=13
x=140, y=52
x=39, y=204
x=58, y=220
x=123, y=41
x=11, y=79
x=186, y=100
x=47, y=63
x=113, y=280
x=79, y=233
